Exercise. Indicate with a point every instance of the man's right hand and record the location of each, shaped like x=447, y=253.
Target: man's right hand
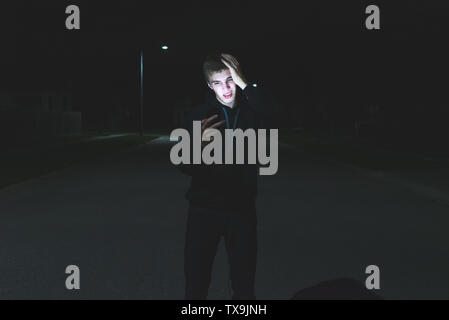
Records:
x=206, y=125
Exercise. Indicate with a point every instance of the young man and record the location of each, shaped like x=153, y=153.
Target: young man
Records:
x=222, y=197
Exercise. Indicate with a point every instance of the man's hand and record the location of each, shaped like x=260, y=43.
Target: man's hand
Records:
x=206, y=133
x=234, y=68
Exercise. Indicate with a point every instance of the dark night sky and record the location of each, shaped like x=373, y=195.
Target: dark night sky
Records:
x=303, y=51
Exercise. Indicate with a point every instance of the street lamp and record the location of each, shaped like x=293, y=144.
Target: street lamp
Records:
x=164, y=47
x=141, y=93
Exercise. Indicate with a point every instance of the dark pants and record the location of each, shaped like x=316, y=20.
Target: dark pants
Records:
x=204, y=230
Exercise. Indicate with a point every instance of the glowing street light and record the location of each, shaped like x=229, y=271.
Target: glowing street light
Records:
x=164, y=48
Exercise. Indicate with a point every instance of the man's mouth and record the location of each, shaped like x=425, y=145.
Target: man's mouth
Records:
x=227, y=96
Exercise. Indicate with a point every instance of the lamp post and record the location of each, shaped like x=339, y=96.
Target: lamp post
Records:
x=141, y=93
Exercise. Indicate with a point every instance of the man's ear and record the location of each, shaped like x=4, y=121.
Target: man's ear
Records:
x=209, y=85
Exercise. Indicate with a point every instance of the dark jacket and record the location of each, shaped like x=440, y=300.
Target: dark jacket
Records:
x=230, y=185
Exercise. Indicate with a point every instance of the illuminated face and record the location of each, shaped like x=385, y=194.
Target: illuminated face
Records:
x=224, y=87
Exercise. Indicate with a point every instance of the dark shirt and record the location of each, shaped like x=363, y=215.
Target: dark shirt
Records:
x=230, y=186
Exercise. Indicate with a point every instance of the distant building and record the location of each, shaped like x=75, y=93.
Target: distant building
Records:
x=38, y=113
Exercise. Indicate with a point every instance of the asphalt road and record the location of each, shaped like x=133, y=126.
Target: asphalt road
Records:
x=122, y=220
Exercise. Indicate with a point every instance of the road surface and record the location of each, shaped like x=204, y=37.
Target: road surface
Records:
x=121, y=220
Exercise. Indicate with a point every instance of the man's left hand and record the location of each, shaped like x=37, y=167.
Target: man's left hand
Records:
x=234, y=68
